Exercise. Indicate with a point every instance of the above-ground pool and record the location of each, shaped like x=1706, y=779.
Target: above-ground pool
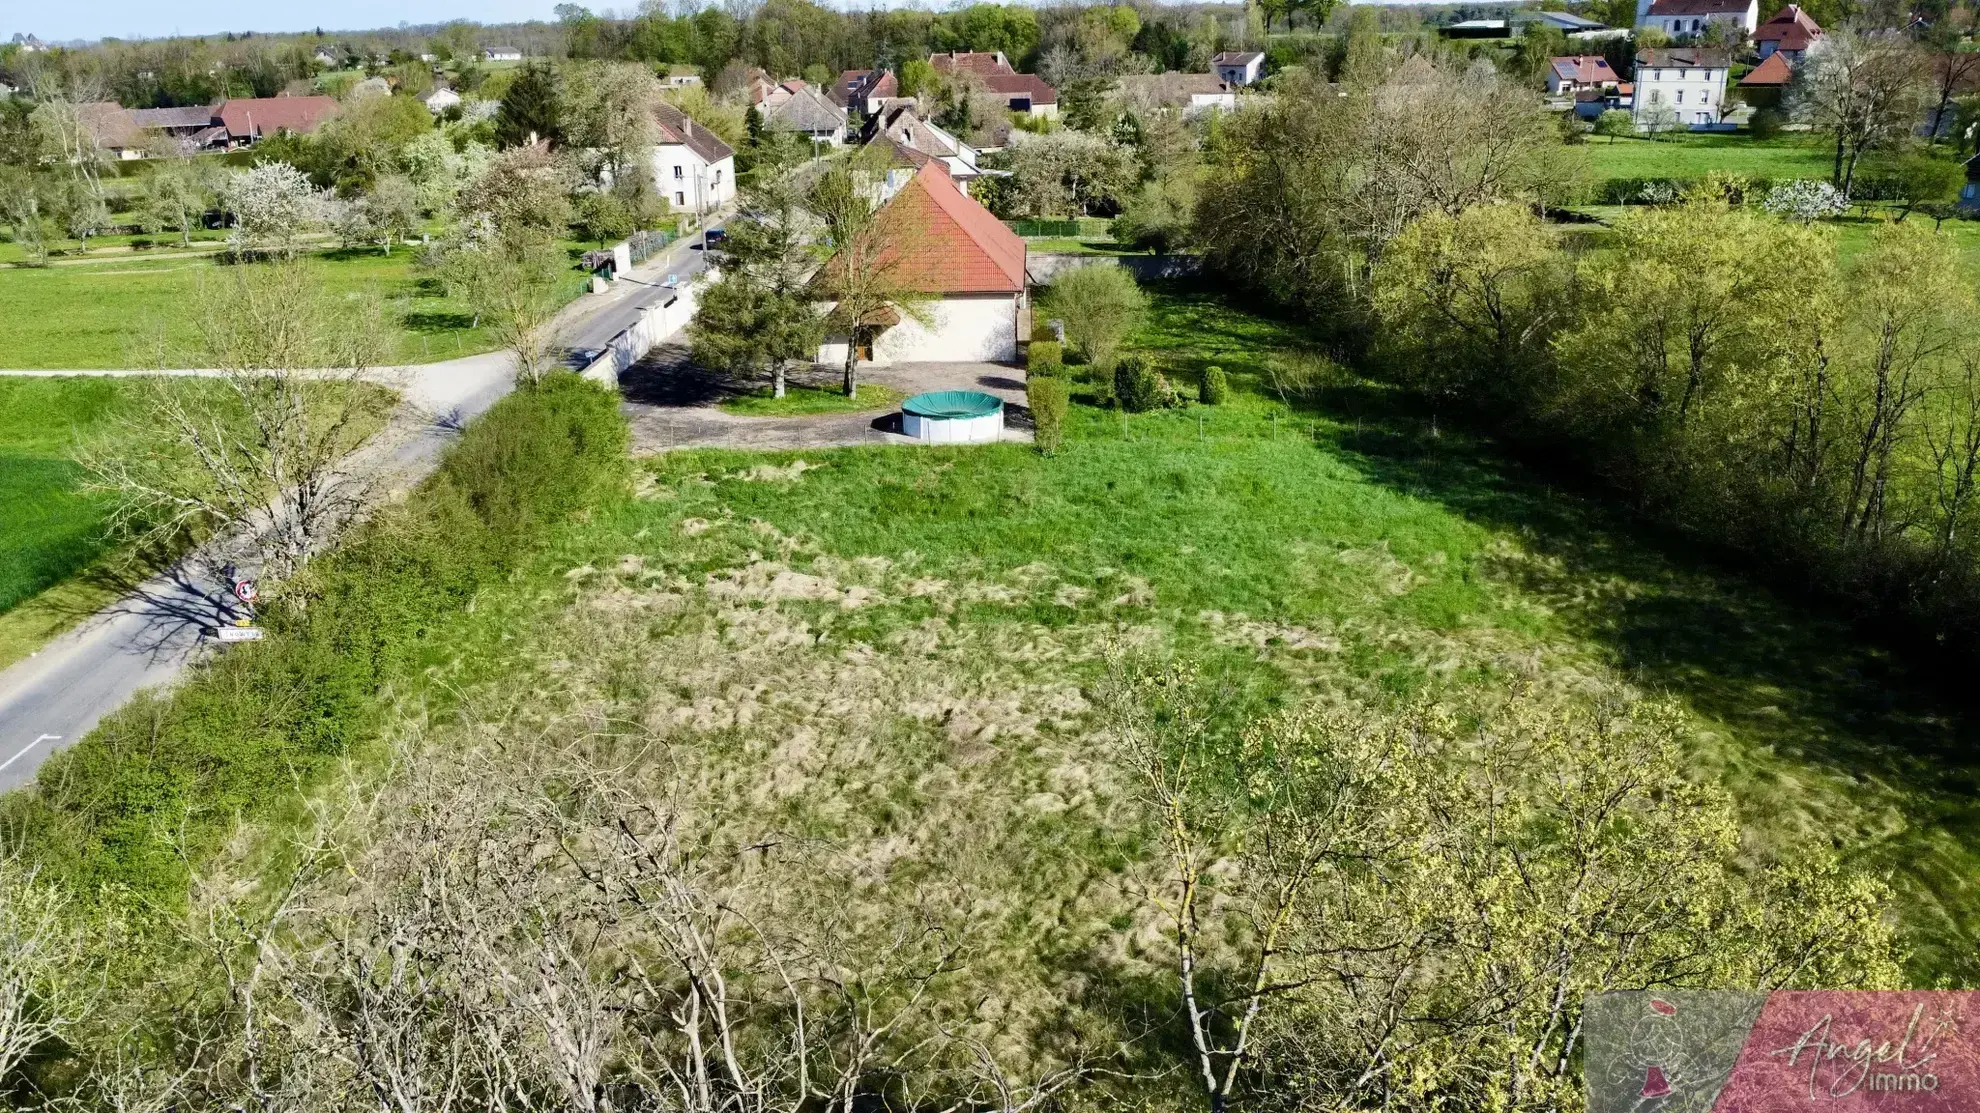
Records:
x=953, y=417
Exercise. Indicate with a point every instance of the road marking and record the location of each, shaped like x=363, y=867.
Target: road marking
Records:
x=26, y=748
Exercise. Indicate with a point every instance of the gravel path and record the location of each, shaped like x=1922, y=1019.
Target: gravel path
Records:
x=672, y=404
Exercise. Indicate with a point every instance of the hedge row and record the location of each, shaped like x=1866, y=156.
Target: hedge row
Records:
x=1629, y=191
x=162, y=782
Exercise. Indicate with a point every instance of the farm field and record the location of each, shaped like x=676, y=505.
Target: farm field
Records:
x=50, y=528
x=1692, y=156
x=1336, y=549
x=111, y=314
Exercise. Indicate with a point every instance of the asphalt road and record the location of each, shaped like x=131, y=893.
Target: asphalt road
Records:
x=57, y=696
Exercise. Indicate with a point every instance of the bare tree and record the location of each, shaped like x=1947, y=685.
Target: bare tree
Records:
x=262, y=458
x=41, y=963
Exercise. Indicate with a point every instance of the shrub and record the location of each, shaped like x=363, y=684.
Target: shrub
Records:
x=1135, y=385
x=1766, y=123
x=1100, y=305
x=1041, y=329
x=1046, y=358
x=1215, y=388
x=157, y=786
x=1048, y=399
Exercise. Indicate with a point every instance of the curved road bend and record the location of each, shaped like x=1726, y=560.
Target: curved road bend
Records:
x=50, y=700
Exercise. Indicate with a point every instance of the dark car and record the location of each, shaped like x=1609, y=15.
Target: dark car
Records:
x=713, y=238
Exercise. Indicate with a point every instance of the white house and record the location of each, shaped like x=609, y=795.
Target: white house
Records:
x=1685, y=19
x=1238, y=67
x=501, y=54
x=440, y=100
x=967, y=265
x=1682, y=86
x=681, y=77
x=693, y=169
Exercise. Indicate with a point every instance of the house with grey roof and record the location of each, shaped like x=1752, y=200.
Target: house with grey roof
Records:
x=692, y=167
x=809, y=112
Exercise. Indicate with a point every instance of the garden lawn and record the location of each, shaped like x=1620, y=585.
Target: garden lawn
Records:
x=1340, y=545
x=803, y=401
x=1694, y=156
x=111, y=314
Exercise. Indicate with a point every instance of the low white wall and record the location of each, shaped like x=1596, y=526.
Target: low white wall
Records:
x=659, y=321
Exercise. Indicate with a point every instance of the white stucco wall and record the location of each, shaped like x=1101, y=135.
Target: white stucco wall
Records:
x=689, y=184
x=962, y=330
x=1696, y=94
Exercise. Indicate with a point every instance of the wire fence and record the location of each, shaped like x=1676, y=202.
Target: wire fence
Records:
x=645, y=245
x=1067, y=228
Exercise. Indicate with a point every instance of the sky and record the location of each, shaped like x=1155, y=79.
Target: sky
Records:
x=151, y=19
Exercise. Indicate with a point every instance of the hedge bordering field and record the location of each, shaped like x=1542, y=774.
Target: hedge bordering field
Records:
x=162, y=782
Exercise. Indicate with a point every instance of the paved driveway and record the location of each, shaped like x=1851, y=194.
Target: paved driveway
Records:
x=671, y=404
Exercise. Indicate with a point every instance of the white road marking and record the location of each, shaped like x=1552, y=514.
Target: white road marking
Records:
x=26, y=748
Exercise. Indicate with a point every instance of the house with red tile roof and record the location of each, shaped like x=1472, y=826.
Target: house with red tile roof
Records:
x=1789, y=31
x=965, y=263
x=1022, y=92
x=251, y=119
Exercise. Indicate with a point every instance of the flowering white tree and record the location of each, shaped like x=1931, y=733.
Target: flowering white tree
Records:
x=438, y=171
x=1805, y=201
x=273, y=205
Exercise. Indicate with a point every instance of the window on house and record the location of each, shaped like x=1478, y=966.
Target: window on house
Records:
x=1680, y=98
x=678, y=175
x=680, y=200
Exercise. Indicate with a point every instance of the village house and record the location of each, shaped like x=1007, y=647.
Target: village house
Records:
x=1575, y=73
x=967, y=264
x=440, y=100
x=899, y=121
x=1681, y=86
x=1238, y=67
x=501, y=54
x=1790, y=32
x=862, y=90
x=810, y=113
x=692, y=167
x=1687, y=19
x=249, y=120
x=1765, y=85
x=1022, y=92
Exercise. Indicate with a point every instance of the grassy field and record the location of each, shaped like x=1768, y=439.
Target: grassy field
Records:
x=109, y=314
x=50, y=528
x=1334, y=547
x=1691, y=156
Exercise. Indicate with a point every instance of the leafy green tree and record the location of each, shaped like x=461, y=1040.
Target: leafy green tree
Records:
x=1470, y=301
x=1916, y=177
x=916, y=77
x=868, y=280
x=761, y=315
x=1101, y=305
x=1615, y=123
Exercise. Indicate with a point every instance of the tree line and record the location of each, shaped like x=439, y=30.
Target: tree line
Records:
x=1746, y=378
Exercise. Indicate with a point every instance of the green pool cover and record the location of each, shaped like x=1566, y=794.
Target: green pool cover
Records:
x=952, y=403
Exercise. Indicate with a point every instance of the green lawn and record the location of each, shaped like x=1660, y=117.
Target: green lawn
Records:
x=1691, y=156
x=800, y=401
x=108, y=315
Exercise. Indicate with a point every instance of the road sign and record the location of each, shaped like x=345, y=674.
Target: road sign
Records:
x=237, y=634
x=245, y=591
